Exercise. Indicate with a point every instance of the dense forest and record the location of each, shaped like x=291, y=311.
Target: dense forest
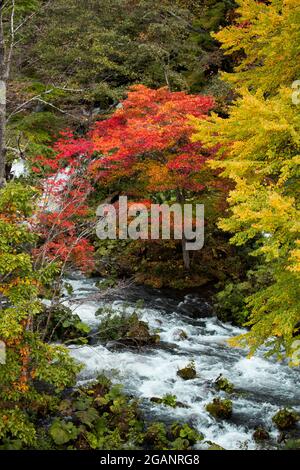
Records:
x=176, y=102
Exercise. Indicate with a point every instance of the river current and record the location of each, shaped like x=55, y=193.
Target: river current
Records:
x=262, y=385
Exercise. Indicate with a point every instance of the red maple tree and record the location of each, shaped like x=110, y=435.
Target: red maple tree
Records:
x=147, y=142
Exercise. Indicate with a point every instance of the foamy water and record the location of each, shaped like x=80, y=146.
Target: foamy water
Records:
x=263, y=386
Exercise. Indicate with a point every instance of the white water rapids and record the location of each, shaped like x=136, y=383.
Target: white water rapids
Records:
x=263, y=386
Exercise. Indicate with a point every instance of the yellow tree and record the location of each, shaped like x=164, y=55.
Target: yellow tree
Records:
x=260, y=152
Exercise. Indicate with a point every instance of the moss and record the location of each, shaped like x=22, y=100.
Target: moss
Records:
x=188, y=372
x=261, y=434
x=285, y=419
x=220, y=408
x=223, y=384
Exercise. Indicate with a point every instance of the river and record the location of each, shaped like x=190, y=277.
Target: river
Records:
x=262, y=386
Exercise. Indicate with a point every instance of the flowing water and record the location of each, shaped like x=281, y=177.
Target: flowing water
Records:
x=263, y=386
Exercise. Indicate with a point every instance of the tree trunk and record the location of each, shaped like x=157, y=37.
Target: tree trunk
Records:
x=3, y=79
x=185, y=253
x=2, y=132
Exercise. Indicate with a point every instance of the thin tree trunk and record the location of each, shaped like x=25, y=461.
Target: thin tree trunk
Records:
x=2, y=101
x=185, y=253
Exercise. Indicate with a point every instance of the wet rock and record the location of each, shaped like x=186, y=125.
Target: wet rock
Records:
x=116, y=345
x=223, y=384
x=219, y=408
x=180, y=335
x=167, y=346
x=123, y=330
x=261, y=434
x=285, y=419
x=188, y=372
x=214, y=446
x=139, y=333
x=156, y=400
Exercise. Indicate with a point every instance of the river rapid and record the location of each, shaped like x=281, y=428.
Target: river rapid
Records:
x=262, y=386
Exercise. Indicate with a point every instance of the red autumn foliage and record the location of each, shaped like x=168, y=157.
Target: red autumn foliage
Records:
x=149, y=137
x=146, y=140
x=66, y=189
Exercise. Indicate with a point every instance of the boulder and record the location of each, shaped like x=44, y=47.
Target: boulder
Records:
x=285, y=419
x=187, y=373
x=219, y=408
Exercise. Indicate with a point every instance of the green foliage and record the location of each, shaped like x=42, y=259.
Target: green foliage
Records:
x=29, y=360
x=292, y=444
x=177, y=437
x=184, y=431
x=62, y=432
x=156, y=436
x=109, y=45
x=230, y=303
x=15, y=426
x=59, y=323
x=169, y=400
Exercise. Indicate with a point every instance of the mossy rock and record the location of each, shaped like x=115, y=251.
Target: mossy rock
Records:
x=214, y=446
x=139, y=333
x=187, y=373
x=126, y=330
x=223, y=384
x=260, y=434
x=219, y=408
x=285, y=419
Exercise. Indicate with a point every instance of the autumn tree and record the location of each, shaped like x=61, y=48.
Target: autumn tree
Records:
x=146, y=143
x=62, y=218
x=29, y=361
x=260, y=153
x=108, y=46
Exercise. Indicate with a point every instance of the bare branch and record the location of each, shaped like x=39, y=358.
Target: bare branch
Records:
x=39, y=98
